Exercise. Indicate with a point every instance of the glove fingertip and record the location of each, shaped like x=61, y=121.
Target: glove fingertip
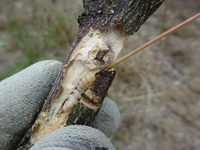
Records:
x=108, y=118
x=74, y=137
x=21, y=97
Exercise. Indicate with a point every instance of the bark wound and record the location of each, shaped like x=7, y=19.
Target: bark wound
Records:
x=103, y=28
x=100, y=55
x=92, y=100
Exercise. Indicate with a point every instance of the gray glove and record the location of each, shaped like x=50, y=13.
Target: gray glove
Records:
x=23, y=94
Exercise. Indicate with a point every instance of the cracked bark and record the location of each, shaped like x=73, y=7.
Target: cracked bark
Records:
x=103, y=28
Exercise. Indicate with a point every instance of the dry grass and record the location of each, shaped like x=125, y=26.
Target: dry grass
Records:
x=157, y=90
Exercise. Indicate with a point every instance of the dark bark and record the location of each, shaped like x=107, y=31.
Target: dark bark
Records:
x=84, y=115
x=103, y=14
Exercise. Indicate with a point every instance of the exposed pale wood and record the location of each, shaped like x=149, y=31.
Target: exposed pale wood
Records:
x=78, y=67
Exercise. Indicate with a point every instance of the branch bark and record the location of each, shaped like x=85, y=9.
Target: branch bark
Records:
x=82, y=84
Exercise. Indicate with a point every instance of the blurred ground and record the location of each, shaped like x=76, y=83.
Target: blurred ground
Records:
x=157, y=90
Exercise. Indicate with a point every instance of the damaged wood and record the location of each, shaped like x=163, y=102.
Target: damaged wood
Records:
x=81, y=86
x=87, y=108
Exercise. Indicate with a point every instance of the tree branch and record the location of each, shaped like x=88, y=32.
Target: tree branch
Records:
x=80, y=87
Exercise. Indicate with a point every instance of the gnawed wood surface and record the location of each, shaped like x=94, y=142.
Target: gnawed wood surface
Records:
x=103, y=28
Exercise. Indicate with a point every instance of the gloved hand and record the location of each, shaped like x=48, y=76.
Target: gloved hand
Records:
x=23, y=94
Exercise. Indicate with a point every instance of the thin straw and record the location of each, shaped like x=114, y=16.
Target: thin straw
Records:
x=152, y=41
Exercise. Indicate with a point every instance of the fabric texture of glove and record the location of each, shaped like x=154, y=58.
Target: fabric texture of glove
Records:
x=23, y=94
x=21, y=97
x=74, y=137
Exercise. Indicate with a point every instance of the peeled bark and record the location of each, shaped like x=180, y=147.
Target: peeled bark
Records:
x=82, y=84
